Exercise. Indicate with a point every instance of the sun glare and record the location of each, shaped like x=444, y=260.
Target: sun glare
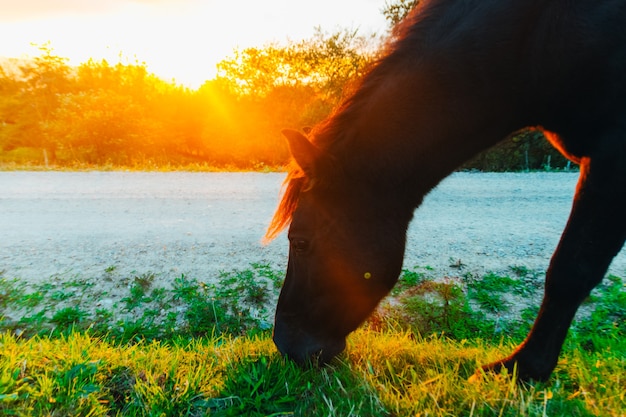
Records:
x=104, y=88
x=179, y=41
x=173, y=44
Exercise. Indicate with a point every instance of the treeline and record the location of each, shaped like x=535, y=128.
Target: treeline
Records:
x=121, y=115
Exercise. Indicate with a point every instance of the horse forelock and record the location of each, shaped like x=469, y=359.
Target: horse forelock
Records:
x=294, y=183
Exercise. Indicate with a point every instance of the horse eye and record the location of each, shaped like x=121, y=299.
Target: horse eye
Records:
x=300, y=246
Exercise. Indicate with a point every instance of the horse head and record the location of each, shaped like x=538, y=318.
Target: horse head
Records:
x=347, y=242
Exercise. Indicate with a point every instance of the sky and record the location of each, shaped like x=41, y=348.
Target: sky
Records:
x=178, y=40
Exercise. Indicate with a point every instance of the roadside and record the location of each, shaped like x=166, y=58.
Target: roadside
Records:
x=117, y=224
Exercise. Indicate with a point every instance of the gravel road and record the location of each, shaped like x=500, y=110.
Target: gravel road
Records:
x=68, y=224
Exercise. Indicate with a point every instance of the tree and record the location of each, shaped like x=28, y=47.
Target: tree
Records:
x=326, y=62
x=98, y=127
x=9, y=105
x=330, y=62
x=117, y=112
x=294, y=85
x=396, y=11
x=42, y=82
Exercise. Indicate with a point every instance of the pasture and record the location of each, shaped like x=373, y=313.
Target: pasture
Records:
x=202, y=349
x=153, y=304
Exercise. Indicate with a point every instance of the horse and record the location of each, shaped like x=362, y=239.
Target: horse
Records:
x=456, y=78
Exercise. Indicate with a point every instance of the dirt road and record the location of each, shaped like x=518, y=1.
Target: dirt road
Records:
x=67, y=224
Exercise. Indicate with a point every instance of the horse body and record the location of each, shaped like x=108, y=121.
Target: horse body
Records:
x=458, y=77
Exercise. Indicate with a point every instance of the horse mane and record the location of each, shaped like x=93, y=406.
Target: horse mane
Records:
x=295, y=182
x=333, y=129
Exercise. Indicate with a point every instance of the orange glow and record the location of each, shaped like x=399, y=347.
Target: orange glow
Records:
x=555, y=140
x=109, y=84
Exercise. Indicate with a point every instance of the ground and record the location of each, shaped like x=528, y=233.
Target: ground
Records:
x=109, y=225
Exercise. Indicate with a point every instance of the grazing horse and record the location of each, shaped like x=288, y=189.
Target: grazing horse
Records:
x=456, y=78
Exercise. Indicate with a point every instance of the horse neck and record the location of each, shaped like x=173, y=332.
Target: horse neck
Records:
x=412, y=130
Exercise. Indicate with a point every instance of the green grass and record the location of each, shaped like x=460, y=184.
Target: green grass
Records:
x=204, y=348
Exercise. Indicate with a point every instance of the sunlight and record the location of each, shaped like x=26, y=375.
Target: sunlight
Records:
x=166, y=40
x=178, y=40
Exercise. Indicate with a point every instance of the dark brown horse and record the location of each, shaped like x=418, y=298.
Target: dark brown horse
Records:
x=459, y=76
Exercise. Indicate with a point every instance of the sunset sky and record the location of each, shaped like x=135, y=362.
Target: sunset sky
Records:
x=179, y=40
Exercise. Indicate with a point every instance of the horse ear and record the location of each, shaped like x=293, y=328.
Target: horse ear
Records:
x=306, y=154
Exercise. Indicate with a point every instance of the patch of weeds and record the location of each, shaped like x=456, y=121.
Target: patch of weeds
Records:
x=134, y=331
x=244, y=285
x=496, y=283
x=141, y=284
x=201, y=314
x=68, y=318
x=136, y=297
x=408, y=279
x=266, y=272
x=34, y=323
x=151, y=313
x=10, y=291
x=170, y=323
x=101, y=322
x=495, y=295
x=237, y=302
x=144, y=281
x=184, y=288
x=207, y=311
x=65, y=290
x=528, y=281
x=608, y=317
x=491, y=302
x=489, y=290
x=61, y=295
x=31, y=300
x=521, y=270
x=44, y=289
x=441, y=307
x=158, y=295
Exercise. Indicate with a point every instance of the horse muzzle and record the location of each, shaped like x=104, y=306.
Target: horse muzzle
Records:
x=303, y=348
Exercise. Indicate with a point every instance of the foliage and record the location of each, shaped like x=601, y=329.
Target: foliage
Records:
x=324, y=64
x=382, y=374
x=119, y=114
x=465, y=308
x=607, y=318
x=103, y=115
x=236, y=303
x=397, y=10
x=525, y=151
x=29, y=102
x=200, y=366
x=433, y=307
